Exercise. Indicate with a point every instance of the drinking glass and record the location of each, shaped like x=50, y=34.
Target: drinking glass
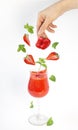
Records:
x=38, y=86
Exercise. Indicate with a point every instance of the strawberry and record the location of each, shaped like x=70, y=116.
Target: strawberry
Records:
x=29, y=59
x=46, y=43
x=43, y=43
x=26, y=39
x=53, y=56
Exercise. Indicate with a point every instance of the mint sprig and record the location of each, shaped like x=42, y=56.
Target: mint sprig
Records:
x=21, y=47
x=42, y=62
x=54, y=45
x=29, y=28
x=50, y=121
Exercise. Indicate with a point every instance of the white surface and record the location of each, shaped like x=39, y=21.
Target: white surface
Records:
x=62, y=100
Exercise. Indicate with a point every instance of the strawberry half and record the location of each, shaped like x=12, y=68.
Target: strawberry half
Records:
x=29, y=60
x=53, y=56
x=26, y=39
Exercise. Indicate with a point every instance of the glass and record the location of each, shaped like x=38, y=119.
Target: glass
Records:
x=38, y=86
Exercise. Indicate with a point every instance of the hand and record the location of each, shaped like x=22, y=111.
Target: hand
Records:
x=47, y=16
x=45, y=21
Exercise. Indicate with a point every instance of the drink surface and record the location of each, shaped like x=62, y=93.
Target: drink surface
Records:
x=38, y=85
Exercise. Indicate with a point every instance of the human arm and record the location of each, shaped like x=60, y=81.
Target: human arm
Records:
x=47, y=16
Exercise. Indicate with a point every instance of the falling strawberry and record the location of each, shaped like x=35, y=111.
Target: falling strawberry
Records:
x=53, y=56
x=43, y=43
x=26, y=39
x=29, y=59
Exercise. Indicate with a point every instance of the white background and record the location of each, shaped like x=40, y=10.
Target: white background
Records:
x=62, y=100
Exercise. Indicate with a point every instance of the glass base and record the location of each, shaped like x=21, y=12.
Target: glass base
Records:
x=37, y=120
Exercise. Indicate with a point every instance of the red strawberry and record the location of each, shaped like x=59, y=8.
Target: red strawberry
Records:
x=46, y=43
x=53, y=56
x=43, y=43
x=29, y=60
x=26, y=39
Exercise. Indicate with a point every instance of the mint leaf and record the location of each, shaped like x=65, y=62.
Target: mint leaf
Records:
x=31, y=104
x=21, y=47
x=26, y=26
x=41, y=60
x=29, y=28
x=55, y=44
x=50, y=121
x=52, y=78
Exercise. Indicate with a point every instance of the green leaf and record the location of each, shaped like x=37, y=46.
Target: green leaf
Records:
x=26, y=26
x=31, y=104
x=50, y=121
x=21, y=47
x=52, y=78
x=41, y=60
x=29, y=28
x=54, y=45
x=18, y=49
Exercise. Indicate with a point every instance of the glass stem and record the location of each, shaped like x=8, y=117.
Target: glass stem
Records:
x=38, y=108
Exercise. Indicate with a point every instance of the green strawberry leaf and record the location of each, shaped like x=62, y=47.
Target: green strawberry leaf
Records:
x=54, y=45
x=52, y=78
x=50, y=121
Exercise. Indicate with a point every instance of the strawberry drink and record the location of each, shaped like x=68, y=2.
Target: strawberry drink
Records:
x=38, y=85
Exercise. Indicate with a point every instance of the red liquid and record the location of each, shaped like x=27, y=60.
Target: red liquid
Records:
x=38, y=85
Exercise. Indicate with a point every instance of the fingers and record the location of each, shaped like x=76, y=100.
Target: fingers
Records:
x=51, y=27
x=40, y=21
x=44, y=23
x=45, y=26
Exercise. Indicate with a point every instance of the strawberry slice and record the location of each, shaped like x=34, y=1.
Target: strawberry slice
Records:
x=26, y=39
x=29, y=60
x=53, y=56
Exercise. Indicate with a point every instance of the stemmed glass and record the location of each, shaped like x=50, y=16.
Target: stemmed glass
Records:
x=38, y=86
